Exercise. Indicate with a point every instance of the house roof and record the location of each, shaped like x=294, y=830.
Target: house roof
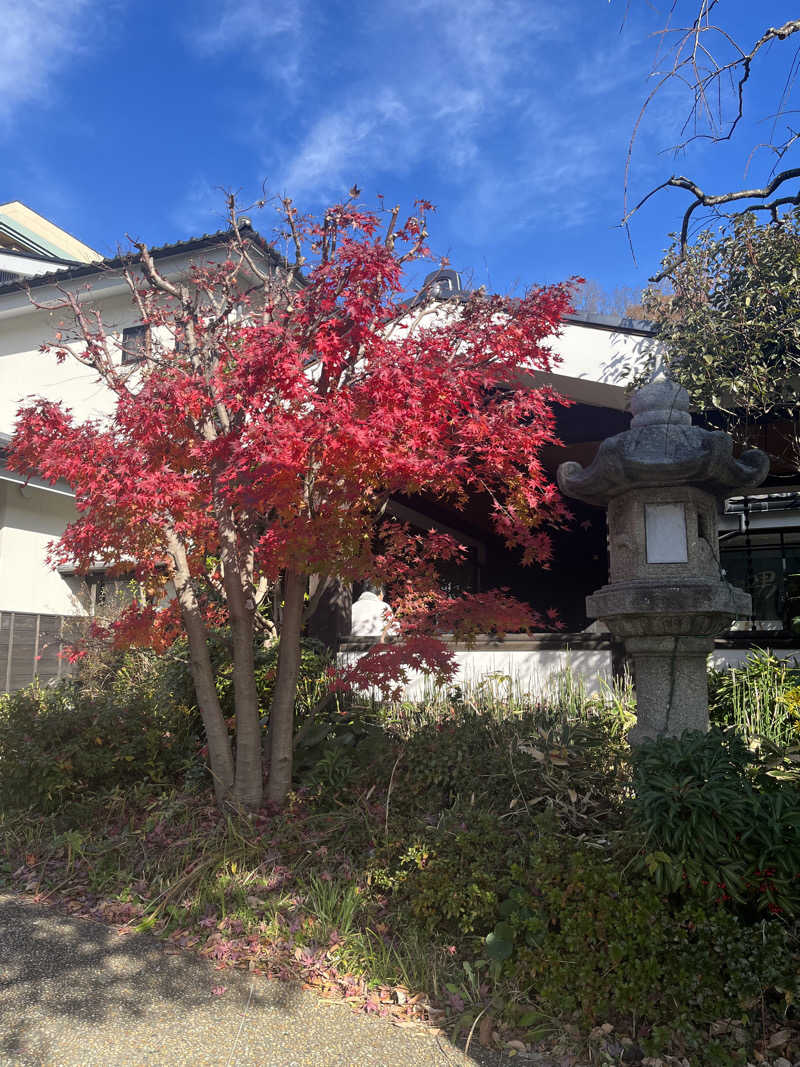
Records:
x=26, y=230
x=69, y=269
x=194, y=244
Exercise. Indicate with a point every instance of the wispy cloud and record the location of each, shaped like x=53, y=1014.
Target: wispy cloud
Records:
x=245, y=24
x=273, y=34
x=502, y=102
x=342, y=144
x=38, y=40
x=467, y=88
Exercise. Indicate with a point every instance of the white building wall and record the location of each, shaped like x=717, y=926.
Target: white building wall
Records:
x=507, y=672
x=516, y=666
x=595, y=363
x=29, y=520
x=26, y=372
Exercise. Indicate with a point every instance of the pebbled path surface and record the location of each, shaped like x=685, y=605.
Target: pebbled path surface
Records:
x=75, y=992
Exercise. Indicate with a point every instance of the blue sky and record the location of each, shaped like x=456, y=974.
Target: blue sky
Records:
x=513, y=116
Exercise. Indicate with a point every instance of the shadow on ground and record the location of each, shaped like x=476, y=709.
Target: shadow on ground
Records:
x=77, y=992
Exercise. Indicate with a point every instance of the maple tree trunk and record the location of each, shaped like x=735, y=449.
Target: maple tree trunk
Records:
x=248, y=785
x=220, y=756
x=281, y=714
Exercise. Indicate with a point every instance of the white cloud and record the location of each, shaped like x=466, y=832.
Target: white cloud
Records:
x=475, y=92
x=38, y=39
x=344, y=144
x=246, y=24
x=439, y=85
x=273, y=32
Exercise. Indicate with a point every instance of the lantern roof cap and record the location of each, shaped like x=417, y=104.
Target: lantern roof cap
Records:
x=663, y=448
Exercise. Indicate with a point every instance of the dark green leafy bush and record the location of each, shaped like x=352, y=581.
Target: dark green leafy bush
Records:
x=57, y=745
x=131, y=717
x=721, y=819
x=517, y=766
x=578, y=937
x=449, y=877
x=170, y=677
x=468, y=797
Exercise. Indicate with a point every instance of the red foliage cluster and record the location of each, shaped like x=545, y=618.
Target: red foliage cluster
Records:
x=295, y=414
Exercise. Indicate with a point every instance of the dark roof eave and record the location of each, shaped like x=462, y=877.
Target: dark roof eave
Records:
x=612, y=323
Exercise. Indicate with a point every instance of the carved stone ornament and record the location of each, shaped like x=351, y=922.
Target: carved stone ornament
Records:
x=662, y=448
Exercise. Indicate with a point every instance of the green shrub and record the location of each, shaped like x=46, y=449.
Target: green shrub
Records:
x=449, y=877
x=720, y=819
x=517, y=768
x=756, y=698
x=56, y=745
x=168, y=677
x=579, y=938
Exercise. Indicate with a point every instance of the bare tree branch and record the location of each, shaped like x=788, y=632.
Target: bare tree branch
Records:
x=714, y=81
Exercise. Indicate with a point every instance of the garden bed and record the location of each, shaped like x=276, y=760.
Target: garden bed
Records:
x=481, y=869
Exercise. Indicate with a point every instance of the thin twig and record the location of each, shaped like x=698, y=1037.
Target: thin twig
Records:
x=241, y=1024
x=389, y=794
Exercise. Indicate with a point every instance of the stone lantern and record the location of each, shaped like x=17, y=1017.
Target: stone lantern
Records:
x=663, y=482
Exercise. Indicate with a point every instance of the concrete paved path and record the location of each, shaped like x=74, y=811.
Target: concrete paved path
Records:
x=74, y=992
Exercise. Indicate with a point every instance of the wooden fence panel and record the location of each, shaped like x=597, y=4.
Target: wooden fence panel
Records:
x=31, y=647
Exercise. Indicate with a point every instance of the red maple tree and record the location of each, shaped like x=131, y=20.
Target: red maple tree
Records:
x=275, y=408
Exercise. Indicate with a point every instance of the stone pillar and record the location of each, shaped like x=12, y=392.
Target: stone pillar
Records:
x=670, y=675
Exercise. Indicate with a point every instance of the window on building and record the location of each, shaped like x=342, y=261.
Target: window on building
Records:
x=133, y=344
x=762, y=564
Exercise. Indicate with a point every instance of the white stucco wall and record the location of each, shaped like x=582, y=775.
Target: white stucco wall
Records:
x=721, y=658
x=512, y=671
x=26, y=372
x=595, y=364
x=507, y=671
x=29, y=520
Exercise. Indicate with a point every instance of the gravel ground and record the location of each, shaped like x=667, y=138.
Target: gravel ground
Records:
x=76, y=992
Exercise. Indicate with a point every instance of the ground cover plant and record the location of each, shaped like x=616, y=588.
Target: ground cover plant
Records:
x=475, y=862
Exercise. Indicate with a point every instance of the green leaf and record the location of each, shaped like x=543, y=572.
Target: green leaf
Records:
x=500, y=942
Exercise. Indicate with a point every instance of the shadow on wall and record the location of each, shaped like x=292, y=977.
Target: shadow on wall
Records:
x=625, y=360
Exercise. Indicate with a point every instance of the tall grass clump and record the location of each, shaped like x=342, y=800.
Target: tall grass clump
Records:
x=760, y=698
x=562, y=698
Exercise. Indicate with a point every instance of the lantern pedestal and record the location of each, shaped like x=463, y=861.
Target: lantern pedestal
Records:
x=668, y=631
x=670, y=675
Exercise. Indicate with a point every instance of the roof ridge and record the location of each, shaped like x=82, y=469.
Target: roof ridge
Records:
x=191, y=244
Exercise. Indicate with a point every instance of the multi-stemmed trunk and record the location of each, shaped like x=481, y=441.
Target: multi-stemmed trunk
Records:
x=248, y=782
x=240, y=786
x=285, y=691
x=220, y=757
